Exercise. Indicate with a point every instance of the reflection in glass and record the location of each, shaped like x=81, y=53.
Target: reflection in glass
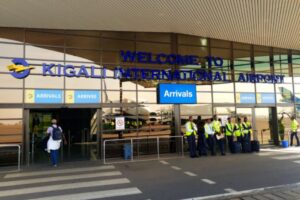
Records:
x=10, y=127
x=195, y=110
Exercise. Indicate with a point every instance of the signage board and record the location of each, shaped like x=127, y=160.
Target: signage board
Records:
x=44, y=96
x=176, y=93
x=120, y=123
x=245, y=97
x=82, y=96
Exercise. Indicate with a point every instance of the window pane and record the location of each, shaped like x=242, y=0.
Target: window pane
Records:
x=6, y=113
x=153, y=47
x=195, y=110
x=43, y=53
x=223, y=97
x=82, y=42
x=192, y=40
x=204, y=97
x=8, y=81
x=117, y=45
x=264, y=87
x=83, y=55
x=44, y=38
x=202, y=88
x=147, y=97
x=244, y=87
x=153, y=37
x=38, y=81
x=11, y=35
x=83, y=83
x=8, y=127
x=11, y=50
x=11, y=96
x=225, y=87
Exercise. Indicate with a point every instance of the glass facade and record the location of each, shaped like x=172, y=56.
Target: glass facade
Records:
x=136, y=100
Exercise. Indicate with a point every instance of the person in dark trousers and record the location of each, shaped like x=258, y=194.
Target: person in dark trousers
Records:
x=210, y=136
x=191, y=131
x=219, y=136
x=53, y=145
x=247, y=130
x=229, y=131
x=238, y=131
x=294, y=130
x=201, y=137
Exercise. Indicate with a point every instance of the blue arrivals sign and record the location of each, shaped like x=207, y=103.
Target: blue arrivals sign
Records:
x=245, y=97
x=87, y=96
x=176, y=93
x=266, y=98
x=48, y=96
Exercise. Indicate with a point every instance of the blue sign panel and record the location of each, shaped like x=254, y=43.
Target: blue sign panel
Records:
x=247, y=97
x=48, y=96
x=81, y=96
x=267, y=98
x=177, y=93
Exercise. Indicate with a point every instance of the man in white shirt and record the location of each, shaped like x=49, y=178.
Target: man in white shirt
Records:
x=53, y=145
x=190, y=133
x=209, y=134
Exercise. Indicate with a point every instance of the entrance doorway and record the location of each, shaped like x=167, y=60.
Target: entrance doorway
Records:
x=79, y=128
x=264, y=123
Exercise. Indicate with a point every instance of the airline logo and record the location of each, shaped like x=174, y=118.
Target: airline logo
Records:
x=20, y=68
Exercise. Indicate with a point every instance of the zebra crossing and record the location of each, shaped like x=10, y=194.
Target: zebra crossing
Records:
x=92, y=182
x=289, y=154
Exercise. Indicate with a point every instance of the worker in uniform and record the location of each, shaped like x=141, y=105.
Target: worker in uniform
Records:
x=238, y=131
x=219, y=136
x=209, y=135
x=201, y=137
x=294, y=129
x=247, y=130
x=191, y=131
x=229, y=131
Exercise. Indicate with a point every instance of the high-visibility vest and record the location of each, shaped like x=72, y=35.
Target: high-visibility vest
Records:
x=187, y=133
x=294, y=125
x=229, y=129
x=217, y=126
x=246, y=127
x=207, y=126
x=239, y=130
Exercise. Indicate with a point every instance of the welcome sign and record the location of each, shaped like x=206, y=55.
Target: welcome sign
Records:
x=176, y=93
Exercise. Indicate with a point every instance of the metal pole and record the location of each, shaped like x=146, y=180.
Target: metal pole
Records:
x=131, y=146
x=157, y=143
x=104, y=152
x=182, y=146
x=19, y=158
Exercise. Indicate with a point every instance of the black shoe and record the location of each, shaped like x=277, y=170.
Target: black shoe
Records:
x=223, y=154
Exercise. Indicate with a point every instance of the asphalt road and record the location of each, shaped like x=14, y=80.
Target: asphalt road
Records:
x=179, y=178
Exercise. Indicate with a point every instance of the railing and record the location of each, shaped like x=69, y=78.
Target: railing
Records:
x=19, y=152
x=142, y=148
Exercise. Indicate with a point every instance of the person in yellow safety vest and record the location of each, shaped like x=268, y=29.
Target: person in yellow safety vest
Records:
x=238, y=131
x=247, y=129
x=190, y=133
x=217, y=126
x=294, y=129
x=229, y=131
x=209, y=135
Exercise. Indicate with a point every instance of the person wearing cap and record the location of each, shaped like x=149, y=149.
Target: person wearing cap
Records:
x=53, y=145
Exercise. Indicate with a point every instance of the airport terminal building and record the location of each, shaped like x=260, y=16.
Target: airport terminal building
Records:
x=110, y=84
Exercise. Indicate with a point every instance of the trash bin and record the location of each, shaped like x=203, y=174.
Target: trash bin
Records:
x=127, y=151
x=284, y=143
